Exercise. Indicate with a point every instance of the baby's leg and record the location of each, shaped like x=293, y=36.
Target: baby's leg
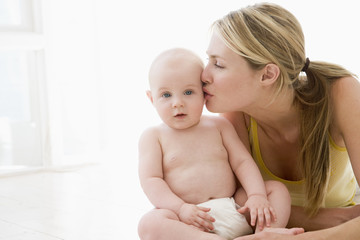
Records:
x=162, y=224
x=279, y=199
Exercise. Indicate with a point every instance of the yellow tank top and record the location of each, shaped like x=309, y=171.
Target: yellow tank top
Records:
x=342, y=183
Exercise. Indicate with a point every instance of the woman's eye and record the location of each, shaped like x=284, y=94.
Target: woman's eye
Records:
x=188, y=92
x=217, y=65
x=166, y=95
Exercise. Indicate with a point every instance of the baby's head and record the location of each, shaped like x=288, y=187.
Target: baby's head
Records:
x=177, y=61
x=176, y=87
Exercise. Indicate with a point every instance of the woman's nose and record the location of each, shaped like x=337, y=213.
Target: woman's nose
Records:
x=205, y=78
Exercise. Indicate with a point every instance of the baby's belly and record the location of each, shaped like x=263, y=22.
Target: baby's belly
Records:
x=199, y=184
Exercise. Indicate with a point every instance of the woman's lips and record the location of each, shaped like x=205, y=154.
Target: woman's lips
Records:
x=207, y=95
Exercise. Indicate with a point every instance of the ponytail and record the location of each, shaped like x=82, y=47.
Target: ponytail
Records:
x=313, y=98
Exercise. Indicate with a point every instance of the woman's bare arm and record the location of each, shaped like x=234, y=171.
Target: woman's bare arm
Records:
x=349, y=231
x=326, y=218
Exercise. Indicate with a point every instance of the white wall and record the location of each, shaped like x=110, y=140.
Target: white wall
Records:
x=73, y=83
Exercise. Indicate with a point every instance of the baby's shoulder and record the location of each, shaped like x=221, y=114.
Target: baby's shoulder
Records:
x=151, y=132
x=215, y=120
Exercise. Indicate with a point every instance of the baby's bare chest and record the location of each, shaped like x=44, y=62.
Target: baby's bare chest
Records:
x=181, y=151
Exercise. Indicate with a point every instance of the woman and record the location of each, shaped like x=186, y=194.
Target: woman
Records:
x=299, y=118
x=302, y=130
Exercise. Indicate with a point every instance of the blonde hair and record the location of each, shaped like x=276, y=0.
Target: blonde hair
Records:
x=267, y=33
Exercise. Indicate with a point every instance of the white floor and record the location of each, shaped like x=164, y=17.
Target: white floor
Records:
x=97, y=202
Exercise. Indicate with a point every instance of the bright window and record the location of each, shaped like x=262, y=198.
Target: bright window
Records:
x=14, y=86
x=21, y=144
x=16, y=15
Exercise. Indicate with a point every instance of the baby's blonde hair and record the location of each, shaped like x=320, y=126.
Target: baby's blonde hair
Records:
x=267, y=33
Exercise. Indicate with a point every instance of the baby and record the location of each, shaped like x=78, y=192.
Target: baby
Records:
x=187, y=163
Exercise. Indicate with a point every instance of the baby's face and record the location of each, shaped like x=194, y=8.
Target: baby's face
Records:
x=177, y=95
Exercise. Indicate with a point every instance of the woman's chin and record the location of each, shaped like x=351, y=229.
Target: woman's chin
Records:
x=211, y=108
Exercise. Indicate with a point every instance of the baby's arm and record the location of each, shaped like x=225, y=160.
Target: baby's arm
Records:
x=249, y=176
x=158, y=191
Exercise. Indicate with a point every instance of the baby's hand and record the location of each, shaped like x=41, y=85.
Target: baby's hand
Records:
x=196, y=216
x=260, y=211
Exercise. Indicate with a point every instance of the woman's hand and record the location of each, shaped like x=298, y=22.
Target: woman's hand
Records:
x=260, y=211
x=196, y=216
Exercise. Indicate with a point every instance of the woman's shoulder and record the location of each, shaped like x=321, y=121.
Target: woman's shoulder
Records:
x=345, y=101
x=345, y=85
x=345, y=90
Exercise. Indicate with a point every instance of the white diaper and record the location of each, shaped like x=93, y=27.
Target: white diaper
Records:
x=229, y=223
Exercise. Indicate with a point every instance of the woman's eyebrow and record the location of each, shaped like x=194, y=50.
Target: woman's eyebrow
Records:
x=210, y=55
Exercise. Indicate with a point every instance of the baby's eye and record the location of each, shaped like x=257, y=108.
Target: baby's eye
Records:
x=166, y=95
x=188, y=92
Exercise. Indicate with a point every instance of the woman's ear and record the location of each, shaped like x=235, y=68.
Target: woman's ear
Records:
x=271, y=73
x=148, y=93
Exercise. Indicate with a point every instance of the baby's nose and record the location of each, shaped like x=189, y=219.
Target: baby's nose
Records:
x=178, y=102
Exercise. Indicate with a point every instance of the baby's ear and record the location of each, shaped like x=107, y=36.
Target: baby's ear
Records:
x=148, y=93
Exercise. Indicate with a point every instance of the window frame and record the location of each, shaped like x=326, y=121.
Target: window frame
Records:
x=29, y=37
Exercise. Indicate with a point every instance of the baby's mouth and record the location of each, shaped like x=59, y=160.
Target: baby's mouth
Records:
x=179, y=115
